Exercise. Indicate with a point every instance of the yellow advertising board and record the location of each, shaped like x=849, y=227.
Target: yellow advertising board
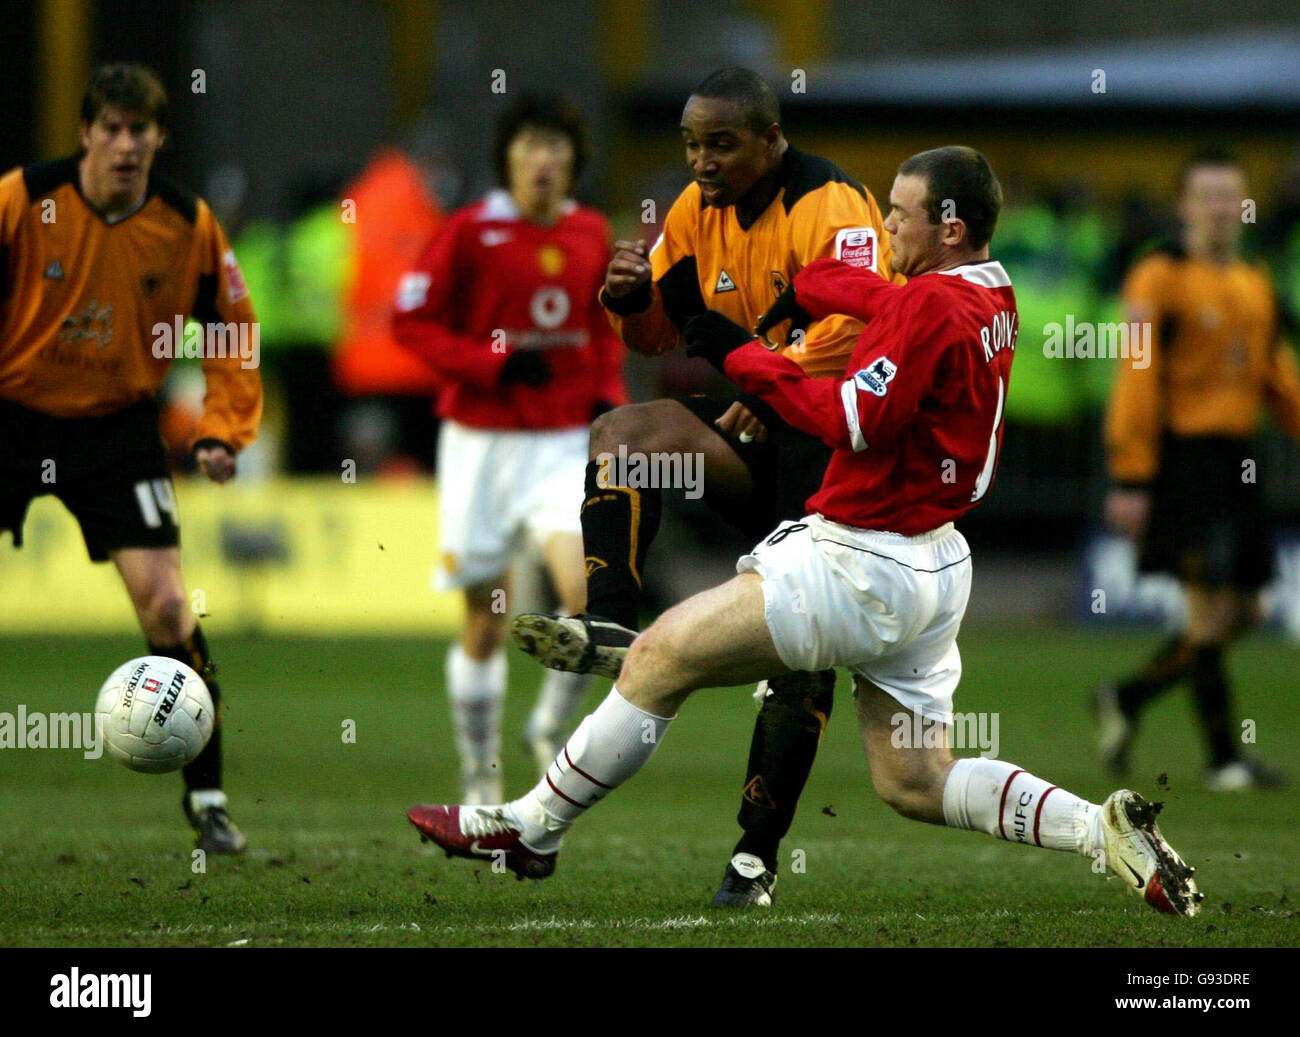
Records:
x=307, y=556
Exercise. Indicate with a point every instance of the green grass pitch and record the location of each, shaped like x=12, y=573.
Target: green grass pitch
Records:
x=93, y=855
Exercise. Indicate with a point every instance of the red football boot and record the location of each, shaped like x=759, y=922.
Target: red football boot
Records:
x=481, y=833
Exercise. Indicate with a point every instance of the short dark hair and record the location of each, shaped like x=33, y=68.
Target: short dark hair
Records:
x=964, y=177
x=131, y=87
x=746, y=89
x=1209, y=155
x=545, y=112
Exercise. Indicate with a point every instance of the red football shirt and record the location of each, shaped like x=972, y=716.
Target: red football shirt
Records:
x=492, y=283
x=917, y=422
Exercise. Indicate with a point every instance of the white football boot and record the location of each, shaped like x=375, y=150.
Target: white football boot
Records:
x=1138, y=854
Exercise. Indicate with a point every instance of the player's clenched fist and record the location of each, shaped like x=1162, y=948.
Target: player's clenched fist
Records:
x=215, y=461
x=629, y=269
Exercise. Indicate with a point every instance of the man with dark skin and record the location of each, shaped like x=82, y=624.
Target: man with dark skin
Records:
x=757, y=211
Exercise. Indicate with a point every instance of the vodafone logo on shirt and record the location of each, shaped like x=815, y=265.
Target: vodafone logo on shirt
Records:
x=856, y=246
x=549, y=306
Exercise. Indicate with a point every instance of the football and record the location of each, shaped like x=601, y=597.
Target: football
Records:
x=155, y=714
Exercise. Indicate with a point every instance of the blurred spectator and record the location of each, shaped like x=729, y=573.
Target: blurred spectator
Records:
x=388, y=420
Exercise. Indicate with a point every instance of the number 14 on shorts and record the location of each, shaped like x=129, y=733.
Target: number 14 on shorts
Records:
x=156, y=498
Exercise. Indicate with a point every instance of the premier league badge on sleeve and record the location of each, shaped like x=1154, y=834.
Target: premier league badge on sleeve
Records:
x=875, y=378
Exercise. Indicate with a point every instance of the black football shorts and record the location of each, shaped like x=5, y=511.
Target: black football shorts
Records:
x=787, y=468
x=110, y=472
x=1208, y=524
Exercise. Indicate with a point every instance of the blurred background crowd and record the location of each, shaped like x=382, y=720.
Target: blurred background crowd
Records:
x=331, y=138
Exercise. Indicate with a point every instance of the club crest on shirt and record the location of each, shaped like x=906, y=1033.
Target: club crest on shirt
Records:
x=150, y=283
x=876, y=377
x=550, y=260
x=778, y=283
x=94, y=325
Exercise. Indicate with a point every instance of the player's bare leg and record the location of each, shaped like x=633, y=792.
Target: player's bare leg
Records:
x=619, y=528
x=152, y=576
x=560, y=692
x=925, y=783
x=718, y=637
x=619, y=523
x=1215, y=615
x=476, y=690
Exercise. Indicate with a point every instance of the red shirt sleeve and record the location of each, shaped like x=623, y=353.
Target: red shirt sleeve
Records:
x=424, y=321
x=809, y=404
x=827, y=286
x=610, y=354
x=867, y=409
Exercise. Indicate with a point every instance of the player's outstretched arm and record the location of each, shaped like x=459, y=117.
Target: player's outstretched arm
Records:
x=799, y=399
x=828, y=286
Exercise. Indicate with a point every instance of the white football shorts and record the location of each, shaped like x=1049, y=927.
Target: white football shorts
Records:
x=884, y=606
x=496, y=489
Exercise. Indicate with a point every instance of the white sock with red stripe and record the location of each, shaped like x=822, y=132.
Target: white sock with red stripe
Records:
x=1008, y=802
x=609, y=746
x=476, y=692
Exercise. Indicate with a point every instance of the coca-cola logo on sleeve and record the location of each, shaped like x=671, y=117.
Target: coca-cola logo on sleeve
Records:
x=856, y=246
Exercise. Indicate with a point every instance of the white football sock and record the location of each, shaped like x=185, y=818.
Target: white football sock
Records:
x=200, y=799
x=476, y=692
x=558, y=697
x=1008, y=802
x=609, y=746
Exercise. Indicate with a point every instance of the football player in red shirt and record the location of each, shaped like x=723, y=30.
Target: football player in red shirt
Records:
x=875, y=578
x=503, y=306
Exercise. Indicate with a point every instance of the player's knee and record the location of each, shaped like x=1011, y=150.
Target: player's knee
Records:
x=604, y=430
x=644, y=656
x=637, y=426
x=483, y=634
x=652, y=677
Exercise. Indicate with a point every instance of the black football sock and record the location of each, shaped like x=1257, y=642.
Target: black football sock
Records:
x=781, y=755
x=205, y=770
x=618, y=526
x=1213, y=706
x=1170, y=664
